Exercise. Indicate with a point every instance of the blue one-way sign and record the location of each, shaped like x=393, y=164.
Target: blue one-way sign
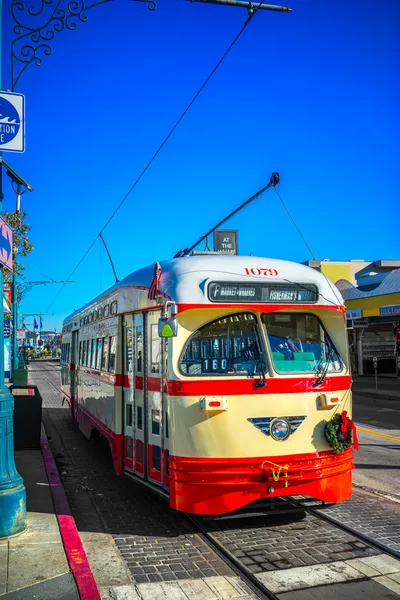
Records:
x=12, y=122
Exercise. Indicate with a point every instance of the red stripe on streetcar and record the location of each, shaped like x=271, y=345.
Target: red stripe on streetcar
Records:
x=239, y=387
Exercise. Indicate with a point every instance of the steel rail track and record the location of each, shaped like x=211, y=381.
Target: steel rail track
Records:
x=259, y=589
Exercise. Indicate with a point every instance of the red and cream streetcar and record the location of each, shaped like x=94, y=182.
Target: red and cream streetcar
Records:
x=213, y=378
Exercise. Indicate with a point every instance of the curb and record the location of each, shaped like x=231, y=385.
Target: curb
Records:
x=76, y=555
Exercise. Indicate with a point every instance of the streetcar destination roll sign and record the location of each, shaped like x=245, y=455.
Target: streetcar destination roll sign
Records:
x=262, y=292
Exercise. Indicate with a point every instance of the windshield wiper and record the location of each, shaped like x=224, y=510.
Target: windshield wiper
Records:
x=324, y=372
x=263, y=380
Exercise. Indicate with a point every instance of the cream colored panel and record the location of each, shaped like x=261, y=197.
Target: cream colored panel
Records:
x=194, y=432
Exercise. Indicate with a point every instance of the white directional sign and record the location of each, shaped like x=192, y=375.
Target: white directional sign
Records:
x=12, y=122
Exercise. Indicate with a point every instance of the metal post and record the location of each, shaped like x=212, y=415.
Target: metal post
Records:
x=12, y=490
x=15, y=324
x=375, y=362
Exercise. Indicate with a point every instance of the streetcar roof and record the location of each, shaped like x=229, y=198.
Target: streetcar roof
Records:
x=183, y=280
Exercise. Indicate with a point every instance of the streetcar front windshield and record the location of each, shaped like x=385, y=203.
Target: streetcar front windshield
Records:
x=227, y=346
x=299, y=343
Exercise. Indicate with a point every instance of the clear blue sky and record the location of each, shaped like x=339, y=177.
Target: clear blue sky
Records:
x=313, y=94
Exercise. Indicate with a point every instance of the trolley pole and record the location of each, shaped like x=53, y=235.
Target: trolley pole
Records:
x=12, y=489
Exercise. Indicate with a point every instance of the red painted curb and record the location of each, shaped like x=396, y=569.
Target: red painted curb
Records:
x=74, y=549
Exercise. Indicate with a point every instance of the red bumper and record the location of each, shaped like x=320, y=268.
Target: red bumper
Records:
x=219, y=485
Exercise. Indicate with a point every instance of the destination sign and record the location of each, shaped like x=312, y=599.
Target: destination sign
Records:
x=262, y=292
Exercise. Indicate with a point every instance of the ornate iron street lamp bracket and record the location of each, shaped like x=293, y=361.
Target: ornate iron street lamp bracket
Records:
x=32, y=41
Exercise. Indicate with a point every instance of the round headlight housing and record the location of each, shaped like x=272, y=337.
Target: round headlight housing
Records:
x=280, y=429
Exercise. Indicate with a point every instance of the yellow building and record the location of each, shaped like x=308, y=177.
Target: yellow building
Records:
x=371, y=291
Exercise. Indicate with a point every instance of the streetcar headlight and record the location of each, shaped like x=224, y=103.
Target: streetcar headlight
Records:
x=280, y=429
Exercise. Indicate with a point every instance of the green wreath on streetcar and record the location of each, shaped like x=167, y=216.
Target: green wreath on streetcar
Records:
x=340, y=433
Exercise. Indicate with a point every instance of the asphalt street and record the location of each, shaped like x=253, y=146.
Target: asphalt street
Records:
x=380, y=409
x=377, y=415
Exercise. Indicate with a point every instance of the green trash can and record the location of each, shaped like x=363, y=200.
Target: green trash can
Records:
x=20, y=376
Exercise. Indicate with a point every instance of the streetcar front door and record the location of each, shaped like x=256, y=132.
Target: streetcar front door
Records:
x=143, y=398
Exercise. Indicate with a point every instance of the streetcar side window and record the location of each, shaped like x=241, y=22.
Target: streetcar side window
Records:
x=84, y=354
x=155, y=350
x=139, y=349
x=139, y=417
x=299, y=343
x=229, y=346
x=99, y=353
x=104, y=355
x=89, y=353
x=94, y=352
x=112, y=355
x=155, y=421
x=129, y=350
x=80, y=353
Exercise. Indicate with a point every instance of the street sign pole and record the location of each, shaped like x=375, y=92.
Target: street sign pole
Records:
x=12, y=490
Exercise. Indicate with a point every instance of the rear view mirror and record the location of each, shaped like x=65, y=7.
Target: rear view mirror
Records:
x=167, y=328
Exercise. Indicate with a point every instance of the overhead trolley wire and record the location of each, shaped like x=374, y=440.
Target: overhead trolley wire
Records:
x=294, y=223
x=161, y=146
x=308, y=247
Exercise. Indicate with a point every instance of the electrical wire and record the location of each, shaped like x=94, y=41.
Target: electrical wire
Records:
x=177, y=123
x=308, y=247
x=294, y=223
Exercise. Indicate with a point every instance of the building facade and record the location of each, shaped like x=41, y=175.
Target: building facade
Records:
x=371, y=291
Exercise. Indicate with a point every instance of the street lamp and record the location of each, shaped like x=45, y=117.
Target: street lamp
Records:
x=12, y=489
